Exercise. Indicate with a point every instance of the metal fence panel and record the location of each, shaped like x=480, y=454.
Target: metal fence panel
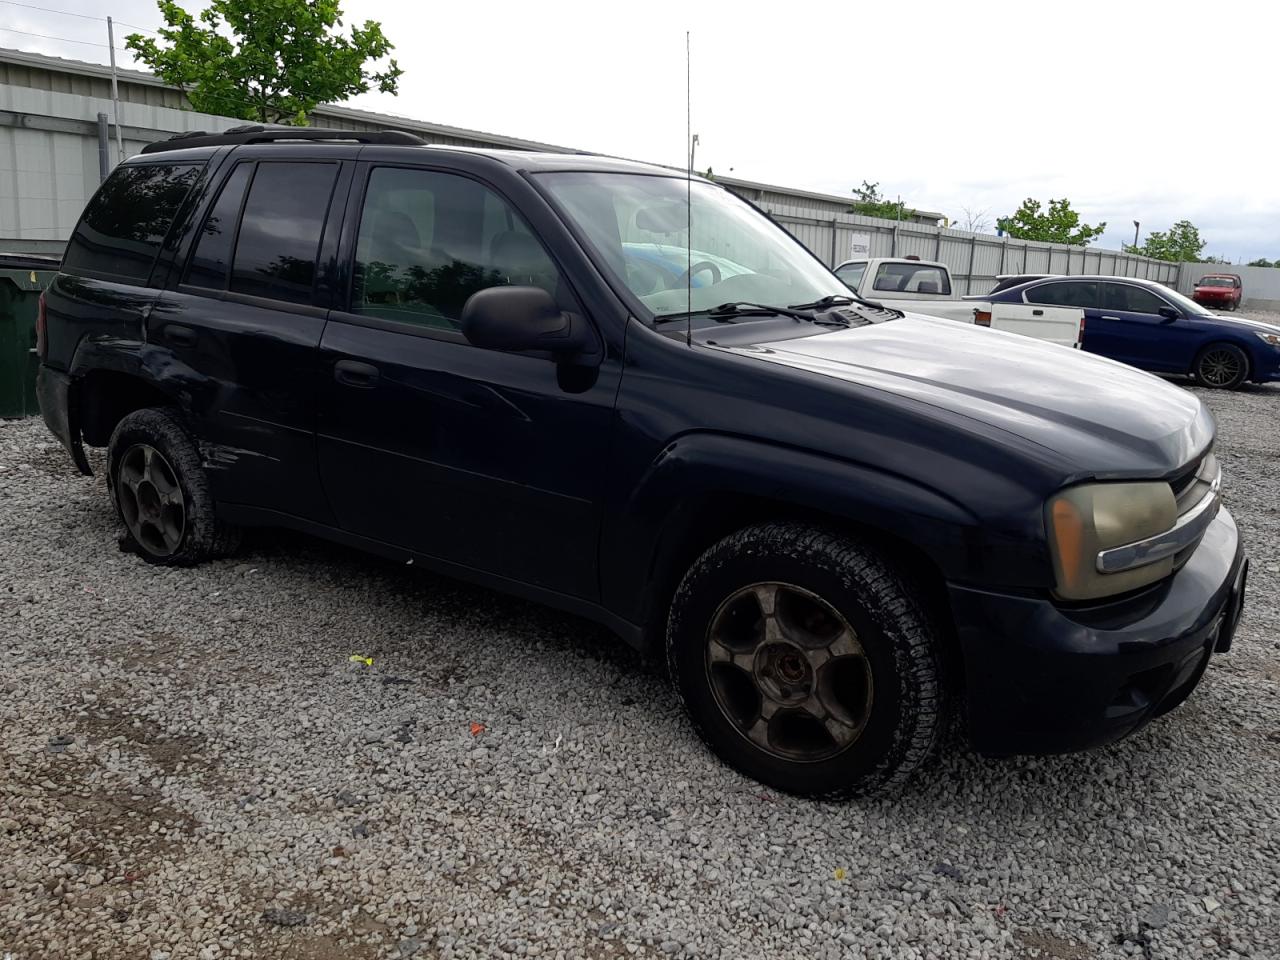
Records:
x=975, y=260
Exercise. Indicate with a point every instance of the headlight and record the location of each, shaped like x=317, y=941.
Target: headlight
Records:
x=1271, y=338
x=1083, y=521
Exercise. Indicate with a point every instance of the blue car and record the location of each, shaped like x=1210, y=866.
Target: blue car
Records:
x=1147, y=325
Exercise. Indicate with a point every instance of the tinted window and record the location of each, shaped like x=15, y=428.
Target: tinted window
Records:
x=1122, y=296
x=212, y=258
x=1066, y=293
x=280, y=233
x=851, y=274
x=127, y=220
x=429, y=240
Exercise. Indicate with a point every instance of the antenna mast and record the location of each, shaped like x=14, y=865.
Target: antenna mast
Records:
x=688, y=142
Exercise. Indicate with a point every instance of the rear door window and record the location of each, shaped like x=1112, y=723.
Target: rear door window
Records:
x=127, y=220
x=1066, y=293
x=211, y=261
x=279, y=238
x=1123, y=296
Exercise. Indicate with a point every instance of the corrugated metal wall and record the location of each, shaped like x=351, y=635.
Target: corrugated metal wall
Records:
x=49, y=155
x=49, y=169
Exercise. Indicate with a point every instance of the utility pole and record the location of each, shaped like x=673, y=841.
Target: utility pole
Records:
x=693, y=146
x=115, y=89
x=1136, y=225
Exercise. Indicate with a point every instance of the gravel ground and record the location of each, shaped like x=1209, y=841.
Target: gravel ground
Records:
x=192, y=766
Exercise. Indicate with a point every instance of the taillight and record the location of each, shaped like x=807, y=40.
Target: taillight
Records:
x=1080, y=339
x=42, y=340
x=982, y=318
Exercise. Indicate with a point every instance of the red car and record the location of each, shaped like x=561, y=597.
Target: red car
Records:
x=1219, y=290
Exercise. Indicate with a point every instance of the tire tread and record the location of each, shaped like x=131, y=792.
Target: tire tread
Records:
x=207, y=537
x=923, y=707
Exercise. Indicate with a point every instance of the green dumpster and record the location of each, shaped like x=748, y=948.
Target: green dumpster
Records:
x=21, y=280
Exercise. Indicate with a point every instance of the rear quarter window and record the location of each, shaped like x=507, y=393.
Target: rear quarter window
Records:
x=127, y=220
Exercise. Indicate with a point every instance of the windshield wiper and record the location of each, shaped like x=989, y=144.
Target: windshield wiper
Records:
x=840, y=300
x=726, y=312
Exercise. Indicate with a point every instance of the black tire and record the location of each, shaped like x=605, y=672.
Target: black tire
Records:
x=1221, y=366
x=903, y=705
x=188, y=511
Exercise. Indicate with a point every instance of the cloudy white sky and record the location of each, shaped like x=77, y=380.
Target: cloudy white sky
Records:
x=1154, y=111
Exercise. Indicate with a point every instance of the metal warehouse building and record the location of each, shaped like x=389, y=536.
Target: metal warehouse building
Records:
x=49, y=130
x=55, y=147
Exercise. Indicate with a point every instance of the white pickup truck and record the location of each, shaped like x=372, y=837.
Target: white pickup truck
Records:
x=924, y=286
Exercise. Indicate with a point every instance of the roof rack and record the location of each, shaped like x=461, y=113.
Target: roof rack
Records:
x=263, y=133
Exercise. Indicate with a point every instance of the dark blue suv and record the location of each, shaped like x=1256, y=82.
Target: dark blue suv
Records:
x=1147, y=325
x=838, y=524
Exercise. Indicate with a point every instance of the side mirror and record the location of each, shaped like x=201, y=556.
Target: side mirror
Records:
x=522, y=318
x=1168, y=313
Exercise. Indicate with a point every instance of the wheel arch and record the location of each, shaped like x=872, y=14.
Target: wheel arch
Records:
x=105, y=397
x=708, y=487
x=112, y=379
x=700, y=522
x=1226, y=339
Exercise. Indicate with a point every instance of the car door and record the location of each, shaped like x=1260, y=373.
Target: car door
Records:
x=1053, y=295
x=487, y=460
x=236, y=335
x=1131, y=328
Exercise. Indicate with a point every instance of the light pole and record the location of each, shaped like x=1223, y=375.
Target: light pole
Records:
x=693, y=146
x=1136, y=225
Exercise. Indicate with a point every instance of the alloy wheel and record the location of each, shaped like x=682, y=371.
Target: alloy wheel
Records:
x=1218, y=368
x=788, y=672
x=151, y=500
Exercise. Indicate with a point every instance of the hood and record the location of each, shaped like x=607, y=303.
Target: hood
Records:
x=1105, y=419
x=1243, y=323
x=1220, y=291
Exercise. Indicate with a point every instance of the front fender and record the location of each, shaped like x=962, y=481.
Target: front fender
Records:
x=696, y=469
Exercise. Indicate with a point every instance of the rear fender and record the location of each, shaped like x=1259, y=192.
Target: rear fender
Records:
x=111, y=376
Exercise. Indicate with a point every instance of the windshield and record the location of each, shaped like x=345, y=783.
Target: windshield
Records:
x=1217, y=282
x=639, y=226
x=1185, y=304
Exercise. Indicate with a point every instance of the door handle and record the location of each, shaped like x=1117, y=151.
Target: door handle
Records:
x=353, y=373
x=177, y=333
x=1117, y=319
x=1037, y=313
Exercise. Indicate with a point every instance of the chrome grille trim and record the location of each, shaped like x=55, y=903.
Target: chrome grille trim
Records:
x=1197, y=508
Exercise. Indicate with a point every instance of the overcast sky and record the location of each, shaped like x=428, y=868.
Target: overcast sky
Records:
x=1135, y=111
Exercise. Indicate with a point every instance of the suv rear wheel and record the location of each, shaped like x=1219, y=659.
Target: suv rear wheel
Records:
x=805, y=662
x=161, y=493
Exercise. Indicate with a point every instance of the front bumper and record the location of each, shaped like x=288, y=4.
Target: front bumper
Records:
x=1041, y=679
x=1267, y=368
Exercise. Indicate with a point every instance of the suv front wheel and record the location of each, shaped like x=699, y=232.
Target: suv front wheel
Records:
x=161, y=493
x=805, y=662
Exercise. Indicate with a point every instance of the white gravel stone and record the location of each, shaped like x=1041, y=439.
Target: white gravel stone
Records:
x=228, y=762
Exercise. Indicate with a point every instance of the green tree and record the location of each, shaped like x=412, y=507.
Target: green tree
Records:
x=1264, y=262
x=1180, y=243
x=870, y=203
x=266, y=60
x=1058, y=224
